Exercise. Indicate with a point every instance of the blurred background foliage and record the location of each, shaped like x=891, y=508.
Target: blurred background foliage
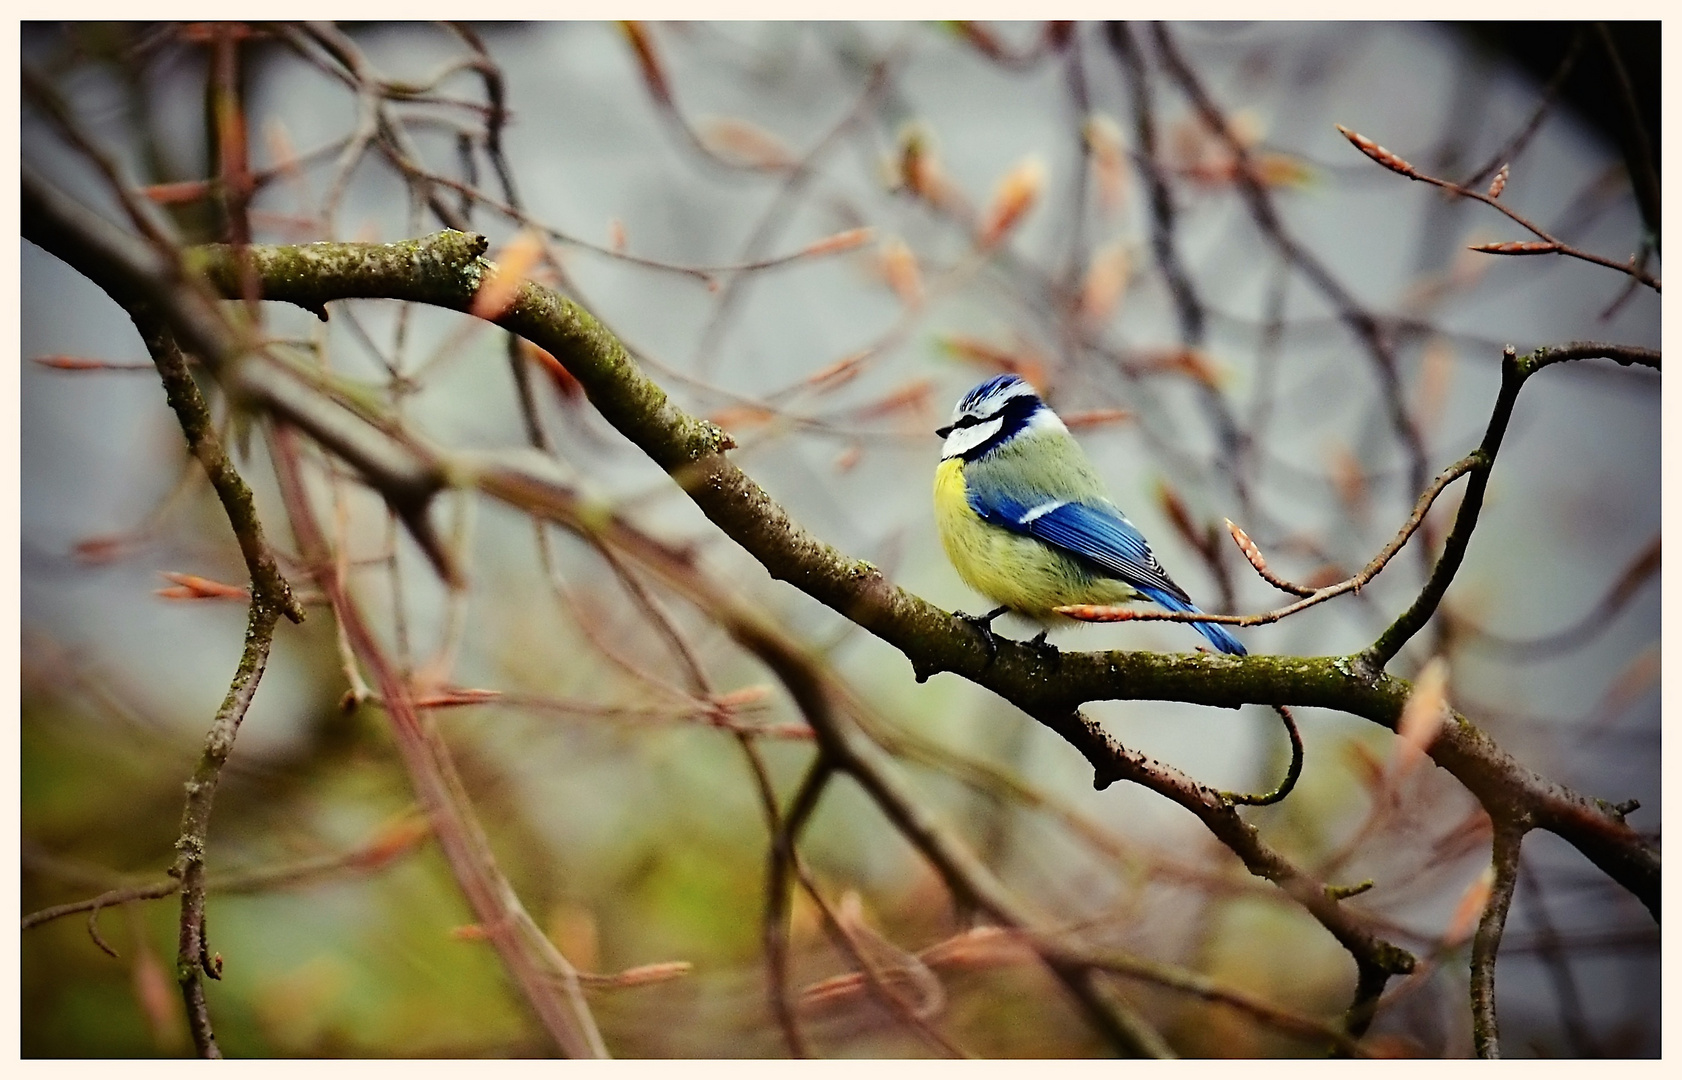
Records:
x=626, y=821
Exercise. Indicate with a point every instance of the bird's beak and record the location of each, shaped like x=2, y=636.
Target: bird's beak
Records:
x=943, y=432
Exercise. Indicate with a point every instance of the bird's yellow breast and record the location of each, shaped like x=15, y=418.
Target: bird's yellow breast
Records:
x=1020, y=572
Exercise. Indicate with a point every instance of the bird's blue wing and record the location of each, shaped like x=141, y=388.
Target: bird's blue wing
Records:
x=1097, y=534
x=1105, y=537
x=1102, y=537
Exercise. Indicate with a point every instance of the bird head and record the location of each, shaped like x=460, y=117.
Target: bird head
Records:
x=992, y=414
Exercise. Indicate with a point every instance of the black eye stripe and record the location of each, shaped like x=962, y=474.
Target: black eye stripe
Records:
x=1011, y=416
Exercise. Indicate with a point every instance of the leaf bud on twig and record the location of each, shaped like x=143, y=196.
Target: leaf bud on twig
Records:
x=1499, y=184
x=1378, y=153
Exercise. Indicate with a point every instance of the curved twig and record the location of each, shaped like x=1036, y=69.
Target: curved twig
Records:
x=1310, y=597
x=1292, y=772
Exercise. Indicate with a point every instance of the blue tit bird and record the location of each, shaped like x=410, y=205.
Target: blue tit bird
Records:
x=1025, y=521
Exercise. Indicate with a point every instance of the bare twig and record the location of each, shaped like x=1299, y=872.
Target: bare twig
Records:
x=1514, y=372
x=1188, y=307
x=1504, y=860
x=1292, y=771
x=271, y=597
x=734, y=291
x=1546, y=243
x=548, y=983
x=194, y=959
x=155, y=890
x=1213, y=990
x=872, y=974
x=777, y=899
x=1310, y=597
x=1478, y=463
x=1259, y=562
x=141, y=214
x=1361, y=322
x=1550, y=93
x=380, y=851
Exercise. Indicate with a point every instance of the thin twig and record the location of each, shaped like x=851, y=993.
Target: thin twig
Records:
x=155, y=890
x=1292, y=771
x=735, y=289
x=873, y=976
x=140, y=213
x=777, y=901
x=1546, y=244
x=1514, y=372
x=1188, y=307
x=1504, y=860
x=1638, y=155
x=271, y=597
x=1310, y=597
x=1550, y=93
x=547, y=981
x=1212, y=990
x=1361, y=322
x=1477, y=463
x=380, y=851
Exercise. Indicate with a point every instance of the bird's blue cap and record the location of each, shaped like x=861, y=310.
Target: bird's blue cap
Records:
x=989, y=388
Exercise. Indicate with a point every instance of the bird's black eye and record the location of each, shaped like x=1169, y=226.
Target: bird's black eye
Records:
x=967, y=420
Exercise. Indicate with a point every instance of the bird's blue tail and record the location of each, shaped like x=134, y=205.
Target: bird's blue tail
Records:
x=1217, y=635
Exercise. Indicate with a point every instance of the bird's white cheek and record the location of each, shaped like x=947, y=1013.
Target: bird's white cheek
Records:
x=964, y=439
x=1046, y=420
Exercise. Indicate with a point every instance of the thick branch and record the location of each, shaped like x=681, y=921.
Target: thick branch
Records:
x=554, y=500
x=445, y=270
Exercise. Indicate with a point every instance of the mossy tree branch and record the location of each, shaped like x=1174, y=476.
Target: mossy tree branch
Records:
x=446, y=270
x=153, y=288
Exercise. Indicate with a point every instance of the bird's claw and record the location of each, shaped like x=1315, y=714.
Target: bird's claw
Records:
x=1052, y=654
x=983, y=625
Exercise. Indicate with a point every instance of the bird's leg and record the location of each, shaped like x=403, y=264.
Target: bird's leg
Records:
x=1053, y=655
x=984, y=625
